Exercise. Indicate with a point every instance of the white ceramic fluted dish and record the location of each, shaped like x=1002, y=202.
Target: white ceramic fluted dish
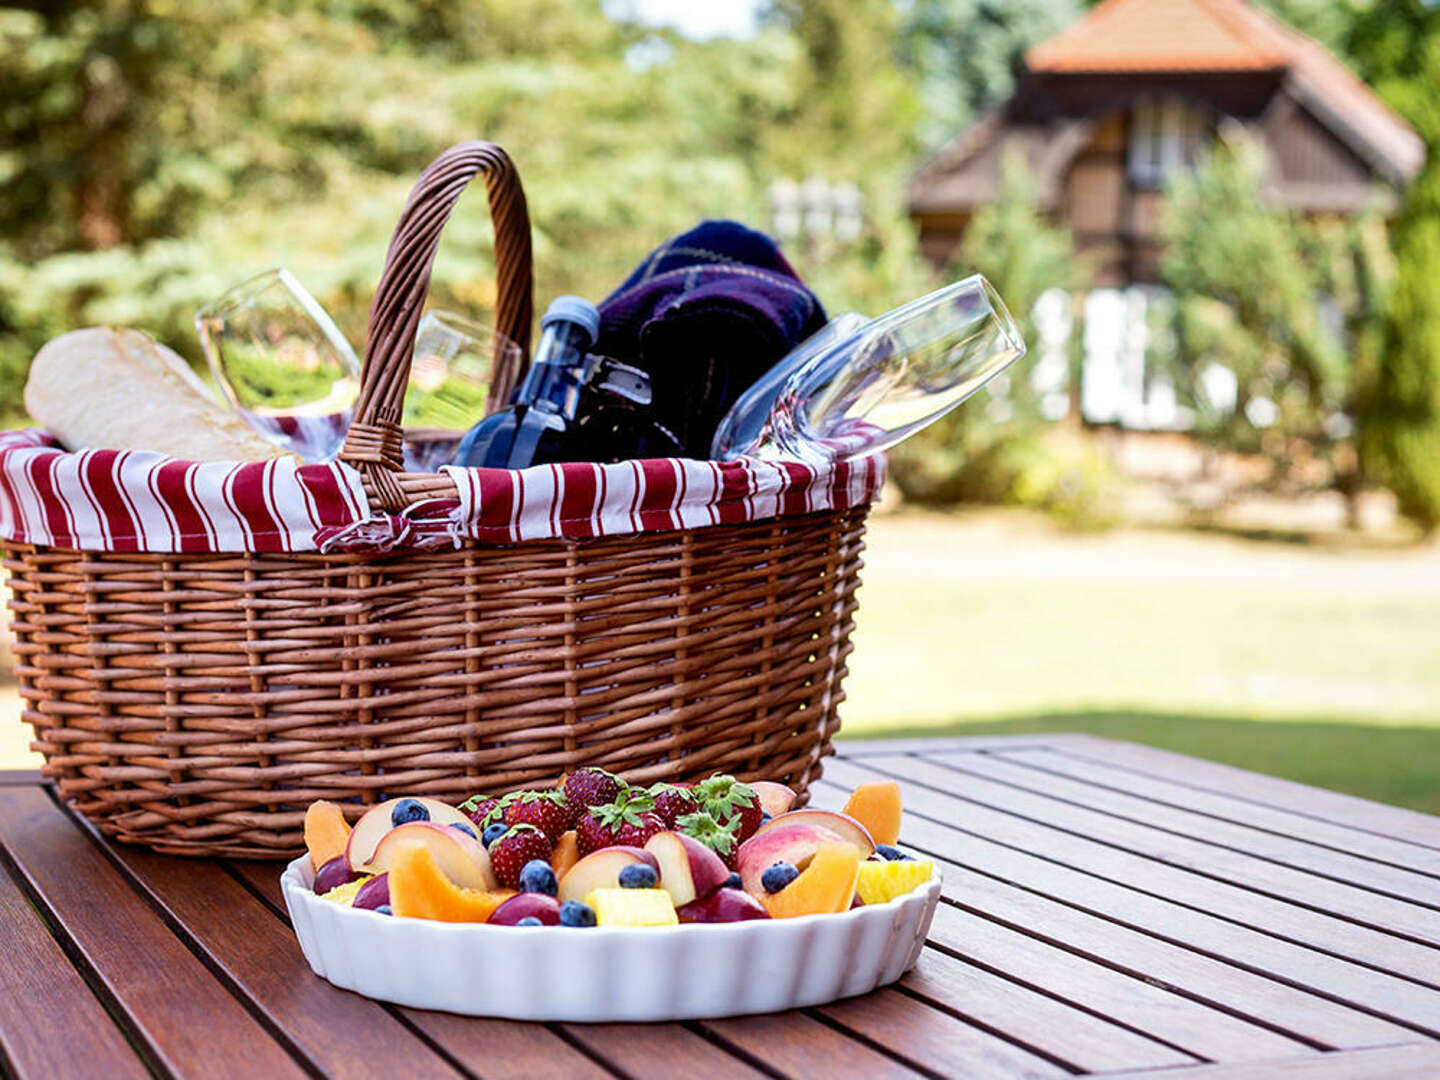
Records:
x=609, y=973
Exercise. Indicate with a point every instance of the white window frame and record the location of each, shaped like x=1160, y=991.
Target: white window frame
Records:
x=1165, y=136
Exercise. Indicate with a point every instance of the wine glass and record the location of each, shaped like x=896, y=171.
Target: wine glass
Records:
x=282, y=363
x=892, y=377
x=460, y=372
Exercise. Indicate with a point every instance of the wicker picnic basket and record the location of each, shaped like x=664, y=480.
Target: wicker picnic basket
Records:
x=196, y=703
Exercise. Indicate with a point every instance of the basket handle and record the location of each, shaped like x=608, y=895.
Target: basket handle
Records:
x=374, y=443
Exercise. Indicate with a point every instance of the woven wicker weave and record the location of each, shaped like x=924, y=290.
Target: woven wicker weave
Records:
x=197, y=703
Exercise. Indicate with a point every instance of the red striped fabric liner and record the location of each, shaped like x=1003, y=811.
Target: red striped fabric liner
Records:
x=108, y=500
x=581, y=500
x=118, y=500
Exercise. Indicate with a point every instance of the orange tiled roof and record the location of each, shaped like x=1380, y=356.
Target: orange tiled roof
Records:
x=1164, y=35
x=1138, y=36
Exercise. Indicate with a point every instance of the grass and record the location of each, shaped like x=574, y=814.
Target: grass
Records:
x=1390, y=764
x=1315, y=662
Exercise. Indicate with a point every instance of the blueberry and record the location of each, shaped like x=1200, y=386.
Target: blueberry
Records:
x=891, y=854
x=574, y=913
x=409, y=810
x=463, y=828
x=732, y=882
x=384, y=909
x=778, y=876
x=493, y=833
x=764, y=817
x=529, y=920
x=638, y=876
x=536, y=876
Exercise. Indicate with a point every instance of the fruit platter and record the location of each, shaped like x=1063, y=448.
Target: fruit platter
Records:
x=604, y=901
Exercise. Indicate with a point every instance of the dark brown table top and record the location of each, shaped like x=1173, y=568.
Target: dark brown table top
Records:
x=1107, y=908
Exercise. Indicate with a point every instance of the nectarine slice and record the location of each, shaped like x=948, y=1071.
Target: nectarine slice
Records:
x=566, y=853
x=419, y=889
x=326, y=832
x=825, y=887
x=877, y=807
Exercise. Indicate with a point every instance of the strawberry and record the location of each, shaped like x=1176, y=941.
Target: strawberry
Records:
x=731, y=803
x=589, y=786
x=546, y=810
x=718, y=838
x=630, y=820
x=673, y=801
x=477, y=808
x=510, y=853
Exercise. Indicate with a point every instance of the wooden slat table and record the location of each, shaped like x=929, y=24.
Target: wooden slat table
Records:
x=1108, y=908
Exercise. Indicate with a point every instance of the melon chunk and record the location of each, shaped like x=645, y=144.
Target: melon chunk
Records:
x=825, y=887
x=419, y=889
x=877, y=807
x=326, y=832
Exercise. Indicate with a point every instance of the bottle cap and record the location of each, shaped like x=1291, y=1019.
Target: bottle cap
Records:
x=575, y=309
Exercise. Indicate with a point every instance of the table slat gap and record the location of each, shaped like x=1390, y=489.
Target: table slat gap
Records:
x=1253, y=938
x=952, y=1048
x=904, y=1058
x=1297, y=1039
x=1132, y=842
x=1401, y=854
x=793, y=1044
x=35, y=832
x=1344, y=809
x=132, y=862
x=263, y=881
x=1409, y=1061
x=1293, y=983
x=1403, y=884
x=75, y=998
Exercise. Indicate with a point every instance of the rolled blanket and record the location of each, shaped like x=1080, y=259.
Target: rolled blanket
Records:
x=706, y=314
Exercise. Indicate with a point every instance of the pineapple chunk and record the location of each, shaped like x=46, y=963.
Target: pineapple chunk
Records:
x=345, y=894
x=632, y=907
x=882, y=881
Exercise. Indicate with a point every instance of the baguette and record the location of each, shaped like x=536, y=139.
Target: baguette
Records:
x=117, y=389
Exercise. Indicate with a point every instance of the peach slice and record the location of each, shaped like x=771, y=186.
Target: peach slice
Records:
x=461, y=857
x=378, y=820
x=877, y=807
x=327, y=833
x=775, y=799
x=421, y=890
x=688, y=869
x=565, y=855
x=825, y=887
x=794, y=843
x=601, y=870
x=842, y=824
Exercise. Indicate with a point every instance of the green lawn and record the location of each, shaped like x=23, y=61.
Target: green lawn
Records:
x=1316, y=662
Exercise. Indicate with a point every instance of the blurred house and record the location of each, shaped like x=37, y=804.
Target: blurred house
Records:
x=1104, y=113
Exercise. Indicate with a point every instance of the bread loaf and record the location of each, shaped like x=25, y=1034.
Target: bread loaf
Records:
x=113, y=388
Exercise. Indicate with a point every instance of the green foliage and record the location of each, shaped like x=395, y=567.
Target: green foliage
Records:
x=994, y=448
x=1401, y=437
x=964, y=53
x=1398, y=42
x=245, y=134
x=1251, y=285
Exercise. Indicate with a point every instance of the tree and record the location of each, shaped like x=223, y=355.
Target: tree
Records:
x=1254, y=288
x=980, y=451
x=1398, y=43
x=964, y=53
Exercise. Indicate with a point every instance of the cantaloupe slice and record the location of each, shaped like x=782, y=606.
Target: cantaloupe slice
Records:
x=825, y=887
x=877, y=807
x=326, y=832
x=419, y=889
x=566, y=853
